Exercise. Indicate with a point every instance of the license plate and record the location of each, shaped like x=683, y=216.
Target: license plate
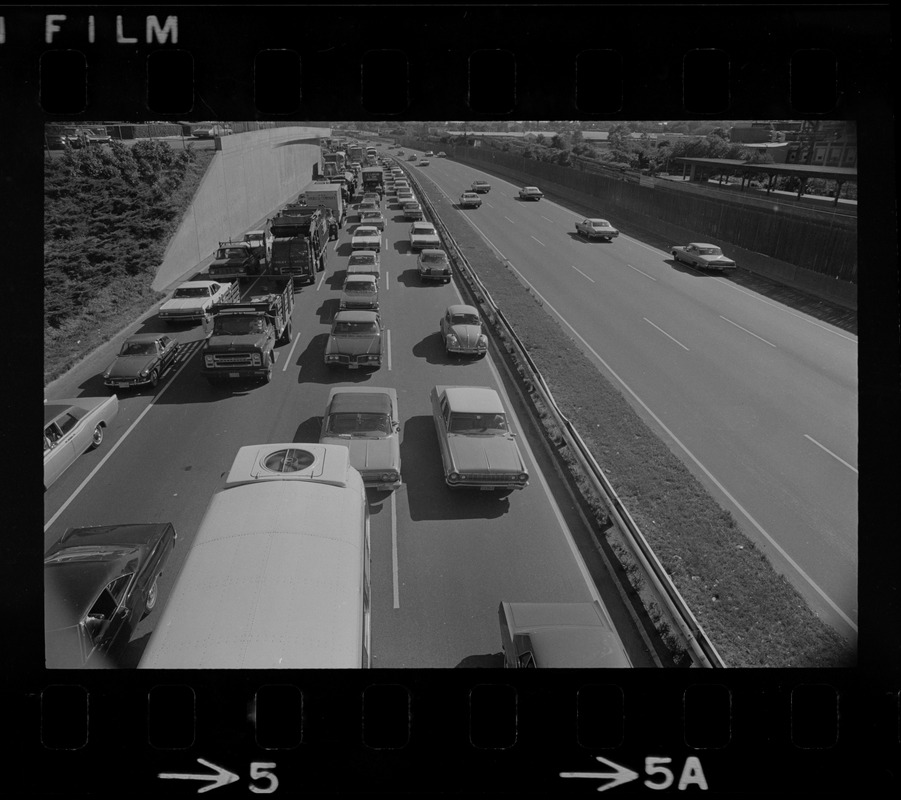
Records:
x=353, y=366
x=234, y=374
x=486, y=488
x=123, y=385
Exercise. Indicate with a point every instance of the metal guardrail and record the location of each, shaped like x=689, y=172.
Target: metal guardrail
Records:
x=703, y=650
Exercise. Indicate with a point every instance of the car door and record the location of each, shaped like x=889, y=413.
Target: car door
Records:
x=110, y=615
x=692, y=255
x=59, y=452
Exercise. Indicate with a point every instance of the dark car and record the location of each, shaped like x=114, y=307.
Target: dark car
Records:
x=143, y=359
x=99, y=582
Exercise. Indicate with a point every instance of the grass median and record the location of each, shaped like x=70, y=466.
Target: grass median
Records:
x=752, y=614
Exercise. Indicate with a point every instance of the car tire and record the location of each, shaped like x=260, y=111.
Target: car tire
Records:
x=152, y=597
x=267, y=376
x=96, y=438
x=154, y=378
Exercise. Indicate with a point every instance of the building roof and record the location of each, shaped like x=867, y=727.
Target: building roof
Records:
x=798, y=170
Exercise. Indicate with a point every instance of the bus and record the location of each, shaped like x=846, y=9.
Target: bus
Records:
x=278, y=575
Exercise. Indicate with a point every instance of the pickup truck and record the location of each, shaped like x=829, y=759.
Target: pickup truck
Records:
x=246, y=331
x=703, y=256
x=194, y=301
x=422, y=235
x=596, y=229
x=234, y=260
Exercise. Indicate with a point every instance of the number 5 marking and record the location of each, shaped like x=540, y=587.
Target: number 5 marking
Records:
x=261, y=770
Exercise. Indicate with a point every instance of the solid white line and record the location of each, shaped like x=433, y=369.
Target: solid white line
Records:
x=580, y=563
x=387, y=282
x=665, y=333
x=583, y=274
x=642, y=272
x=694, y=458
x=508, y=219
x=321, y=281
x=831, y=453
x=394, y=570
x=115, y=447
x=540, y=242
x=746, y=331
x=388, y=334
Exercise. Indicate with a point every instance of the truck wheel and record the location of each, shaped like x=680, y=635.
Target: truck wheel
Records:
x=288, y=335
x=267, y=377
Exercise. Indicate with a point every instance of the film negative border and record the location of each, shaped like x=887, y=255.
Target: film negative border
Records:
x=459, y=731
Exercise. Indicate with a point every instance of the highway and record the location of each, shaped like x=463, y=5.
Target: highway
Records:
x=758, y=400
x=442, y=561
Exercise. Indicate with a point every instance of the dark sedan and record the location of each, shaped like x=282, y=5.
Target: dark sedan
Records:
x=99, y=582
x=143, y=359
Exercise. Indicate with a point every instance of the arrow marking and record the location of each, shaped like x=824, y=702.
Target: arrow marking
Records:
x=221, y=778
x=620, y=775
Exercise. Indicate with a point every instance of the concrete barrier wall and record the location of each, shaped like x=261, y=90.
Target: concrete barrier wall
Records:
x=250, y=176
x=662, y=213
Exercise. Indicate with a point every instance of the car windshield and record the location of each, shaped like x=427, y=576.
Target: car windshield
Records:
x=237, y=325
x=371, y=215
x=478, y=423
x=231, y=252
x=360, y=287
x=192, y=291
x=371, y=426
x=138, y=349
x=465, y=319
x=710, y=251
x=356, y=328
x=433, y=258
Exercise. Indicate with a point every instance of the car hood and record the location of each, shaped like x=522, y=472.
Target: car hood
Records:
x=368, y=454
x=484, y=453
x=353, y=345
x=184, y=303
x=467, y=335
x=130, y=366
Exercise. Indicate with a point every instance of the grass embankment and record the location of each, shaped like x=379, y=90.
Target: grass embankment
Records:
x=109, y=213
x=751, y=613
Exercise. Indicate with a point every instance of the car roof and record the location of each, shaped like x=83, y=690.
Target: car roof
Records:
x=368, y=402
x=365, y=277
x=460, y=308
x=356, y=316
x=701, y=244
x=365, y=230
x=473, y=399
x=432, y=251
x=423, y=225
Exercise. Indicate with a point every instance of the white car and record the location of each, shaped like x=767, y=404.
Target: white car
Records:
x=364, y=262
x=530, y=193
x=360, y=292
x=405, y=196
x=373, y=218
x=365, y=420
x=366, y=237
x=423, y=235
x=72, y=427
x=194, y=300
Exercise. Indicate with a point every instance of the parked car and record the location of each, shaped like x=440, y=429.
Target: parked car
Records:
x=360, y=291
x=559, y=635
x=481, y=187
x=462, y=332
x=71, y=427
x=211, y=131
x=99, y=582
x=374, y=218
x=142, y=359
x=703, y=256
x=477, y=447
x=530, y=193
x=365, y=420
x=366, y=237
x=364, y=262
x=470, y=200
x=593, y=228
x=355, y=340
x=422, y=235
x=433, y=265
x=412, y=210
